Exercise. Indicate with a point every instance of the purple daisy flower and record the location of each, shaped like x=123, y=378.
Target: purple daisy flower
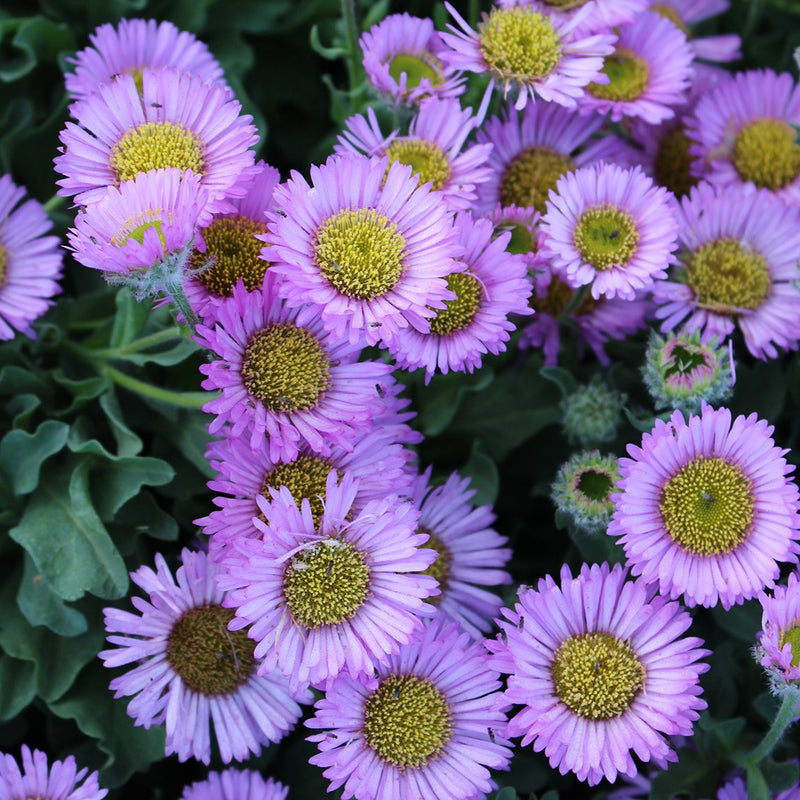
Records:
x=602, y=670
x=136, y=44
x=339, y=594
x=745, y=131
x=30, y=262
x=540, y=55
x=234, y=784
x=428, y=724
x=284, y=376
x=601, y=14
x=611, y=228
x=648, y=73
x=178, y=121
x=192, y=670
x=707, y=508
x=434, y=148
x=494, y=285
x=737, y=267
x=778, y=649
x=683, y=13
x=58, y=781
x=366, y=246
x=402, y=60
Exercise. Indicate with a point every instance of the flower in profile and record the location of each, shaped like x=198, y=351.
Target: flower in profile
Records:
x=133, y=46
x=177, y=121
x=234, y=784
x=611, y=228
x=601, y=14
x=30, y=262
x=402, y=60
x=191, y=670
x=583, y=487
x=493, y=286
x=685, y=13
x=340, y=594
x=592, y=413
x=683, y=372
x=434, y=148
x=540, y=55
x=737, y=268
x=428, y=724
x=778, y=649
x=284, y=376
x=602, y=671
x=707, y=508
x=58, y=781
x=366, y=246
x=648, y=73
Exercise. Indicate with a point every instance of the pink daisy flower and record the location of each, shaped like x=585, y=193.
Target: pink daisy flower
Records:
x=30, y=262
x=402, y=60
x=133, y=46
x=493, y=286
x=602, y=671
x=684, y=13
x=178, y=121
x=428, y=724
x=338, y=595
x=284, y=376
x=540, y=55
x=707, y=508
x=181, y=680
x=234, y=784
x=600, y=14
x=611, y=228
x=366, y=246
x=58, y=781
x=744, y=131
x=434, y=148
x=737, y=268
x=778, y=649
x=648, y=73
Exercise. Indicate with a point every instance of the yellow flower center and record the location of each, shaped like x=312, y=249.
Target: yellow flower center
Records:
x=766, y=153
x=668, y=12
x=627, y=74
x=707, y=507
x=156, y=145
x=425, y=158
x=791, y=635
x=566, y=4
x=416, y=67
x=286, y=368
x=135, y=228
x=673, y=163
x=597, y=675
x=528, y=179
x=606, y=236
x=407, y=721
x=3, y=266
x=305, y=478
x=458, y=313
x=440, y=569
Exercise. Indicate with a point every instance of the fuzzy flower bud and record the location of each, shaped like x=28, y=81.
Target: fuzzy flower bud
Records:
x=592, y=414
x=583, y=487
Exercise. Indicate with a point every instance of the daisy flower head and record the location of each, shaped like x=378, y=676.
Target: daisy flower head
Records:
x=434, y=148
x=707, y=508
x=538, y=54
x=282, y=375
x=778, y=648
x=191, y=671
x=133, y=46
x=602, y=671
x=582, y=490
x=402, y=60
x=338, y=595
x=234, y=784
x=58, y=781
x=494, y=285
x=685, y=13
x=648, y=73
x=365, y=245
x=745, y=131
x=612, y=228
x=600, y=15
x=428, y=724
x=178, y=120
x=522, y=222
x=30, y=262
x=736, y=268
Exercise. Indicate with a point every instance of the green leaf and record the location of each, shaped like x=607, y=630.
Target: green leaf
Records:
x=780, y=777
x=440, y=401
x=37, y=39
x=726, y=732
x=15, y=380
x=129, y=320
x=142, y=514
x=562, y=378
x=480, y=467
x=119, y=480
x=22, y=454
x=41, y=606
x=179, y=352
x=19, y=686
x=740, y=621
x=128, y=442
x=506, y=793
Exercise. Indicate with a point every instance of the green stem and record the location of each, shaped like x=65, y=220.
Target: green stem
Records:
x=178, y=297
x=181, y=399
x=783, y=719
x=168, y=334
x=53, y=203
x=576, y=300
x=474, y=13
x=353, y=50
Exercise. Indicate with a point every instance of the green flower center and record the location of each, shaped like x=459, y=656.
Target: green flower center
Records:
x=529, y=178
x=458, y=313
x=360, y=253
x=416, y=67
x=3, y=265
x=627, y=74
x=558, y=297
x=425, y=158
x=156, y=145
x=728, y=277
x=407, y=721
x=597, y=675
x=668, y=12
x=595, y=485
x=305, y=478
x=519, y=44
x=791, y=635
x=325, y=584
x=686, y=358
x=606, y=236
x=286, y=368
x=767, y=154
x=232, y=243
x=209, y=658
x=566, y=4
x=707, y=507
x=440, y=569
x=673, y=163
x=521, y=241
x=135, y=228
